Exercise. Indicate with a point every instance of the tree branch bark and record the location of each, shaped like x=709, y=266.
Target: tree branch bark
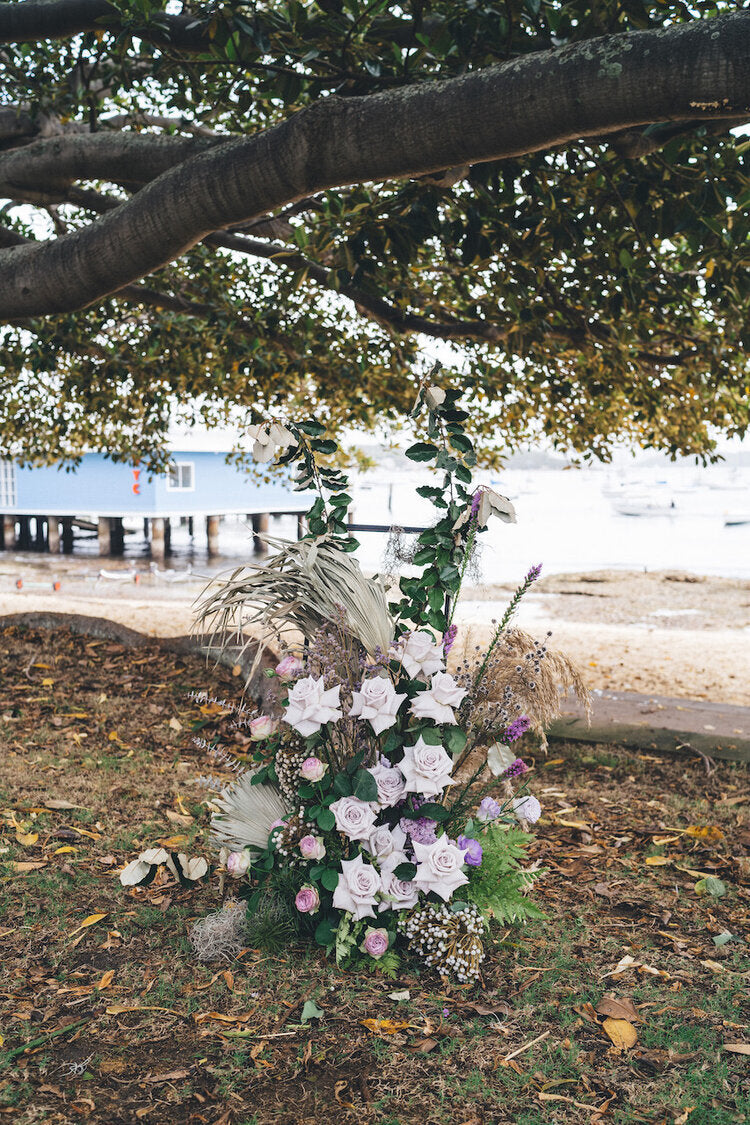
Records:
x=31, y=20
x=526, y=105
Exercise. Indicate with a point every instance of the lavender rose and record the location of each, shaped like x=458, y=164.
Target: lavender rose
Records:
x=398, y=894
x=312, y=769
x=377, y=701
x=390, y=783
x=426, y=768
x=472, y=850
x=419, y=654
x=310, y=705
x=439, y=867
x=312, y=847
x=354, y=818
x=375, y=943
x=387, y=845
x=438, y=702
x=307, y=900
x=357, y=888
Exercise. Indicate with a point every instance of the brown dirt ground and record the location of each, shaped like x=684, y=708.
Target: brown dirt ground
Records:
x=165, y=1040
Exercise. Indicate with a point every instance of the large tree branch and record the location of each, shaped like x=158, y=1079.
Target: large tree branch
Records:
x=523, y=106
x=33, y=20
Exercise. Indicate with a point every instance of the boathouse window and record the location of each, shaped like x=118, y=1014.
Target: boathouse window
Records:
x=7, y=484
x=181, y=477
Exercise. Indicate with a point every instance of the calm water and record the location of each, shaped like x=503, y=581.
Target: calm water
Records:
x=565, y=520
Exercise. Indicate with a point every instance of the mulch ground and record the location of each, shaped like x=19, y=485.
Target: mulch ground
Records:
x=629, y=1003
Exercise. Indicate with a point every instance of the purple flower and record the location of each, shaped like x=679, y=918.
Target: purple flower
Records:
x=375, y=943
x=488, y=809
x=449, y=637
x=476, y=501
x=516, y=729
x=472, y=850
x=515, y=769
x=534, y=573
x=422, y=831
x=307, y=900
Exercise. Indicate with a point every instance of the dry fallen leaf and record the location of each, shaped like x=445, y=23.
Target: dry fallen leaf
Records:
x=617, y=1009
x=738, y=1048
x=621, y=1032
x=657, y=860
x=385, y=1027
x=27, y=839
x=711, y=833
x=106, y=980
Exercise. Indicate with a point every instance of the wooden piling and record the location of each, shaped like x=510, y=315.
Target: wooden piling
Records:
x=157, y=538
x=104, y=535
x=53, y=535
x=212, y=535
x=67, y=535
x=260, y=527
x=9, y=532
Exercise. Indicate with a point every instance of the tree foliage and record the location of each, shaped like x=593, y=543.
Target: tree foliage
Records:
x=592, y=290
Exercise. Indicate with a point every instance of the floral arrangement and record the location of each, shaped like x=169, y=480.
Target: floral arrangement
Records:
x=381, y=809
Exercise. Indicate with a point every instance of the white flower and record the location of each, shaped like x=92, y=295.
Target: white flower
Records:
x=500, y=758
x=387, y=845
x=354, y=818
x=426, y=769
x=267, y=437
x=419, y=654
x=438, y=701
x=439, y=867
x=390, y=783
x=493, y=504
x=310, y=705
x=398, y=894
x=527, y=808
x=378, y=701
x=357, y=888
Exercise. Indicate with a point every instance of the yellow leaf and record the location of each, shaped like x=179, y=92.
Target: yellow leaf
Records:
x=621, y=1032
x=385, y=1027
x=714, y=966
x=118, y=1009
x=710, y=267
x=711, y=833
x=91, y=920
x=64, y=850
x=106, y=980
x=657, y=860
x=174, y=841
x=48, y=683
x=27, y=838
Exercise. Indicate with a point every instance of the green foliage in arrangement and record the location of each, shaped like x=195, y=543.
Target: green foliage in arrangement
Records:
x=500, y=886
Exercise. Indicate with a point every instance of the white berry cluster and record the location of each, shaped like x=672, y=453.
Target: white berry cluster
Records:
x=287, y=840
x=447, y=940
x=287, y=765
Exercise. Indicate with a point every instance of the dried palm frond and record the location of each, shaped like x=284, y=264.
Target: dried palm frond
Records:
x=247, y=813
x=305, y=585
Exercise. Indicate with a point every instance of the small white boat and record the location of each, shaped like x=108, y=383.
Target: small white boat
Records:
x=736, y=519
x=642, y=506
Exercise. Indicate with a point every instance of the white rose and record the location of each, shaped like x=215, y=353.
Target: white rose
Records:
x=426, y=769
x=438, y=701
x=267, y=437
x=357, y=888
x=439, y=867
x=377, y=701
x=387, y=845
x=310, y=705
x=527, y=808
x=390, y=783
x=398, y=894
x=354, y=818
x=434, y=397
x=419, y=654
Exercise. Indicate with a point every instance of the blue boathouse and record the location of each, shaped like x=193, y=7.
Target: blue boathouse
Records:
x=41, y=506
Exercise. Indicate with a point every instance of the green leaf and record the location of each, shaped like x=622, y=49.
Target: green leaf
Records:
x=433, y=811
x=405, y=871
x=365, y=786
x=454, y=740
x=330, y=878
x=342, y=784
x=433, y=736
x=310, y=1010
x=326, y=820
x=324, y=932
x=422, y=451
x=311, y=428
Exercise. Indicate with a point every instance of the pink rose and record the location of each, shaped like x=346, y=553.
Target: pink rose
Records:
x=289, y=668
x=439, y=867
x=312, y=847
x=375, y=943
x=312, y=769
x=262, y=727
x=358, y=887
x=426, y=768
x=238, y=864
x=311, y=705
x=307, y=900
x=390, y=783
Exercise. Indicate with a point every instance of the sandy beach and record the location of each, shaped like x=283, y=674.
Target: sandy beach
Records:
x=667, y=633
